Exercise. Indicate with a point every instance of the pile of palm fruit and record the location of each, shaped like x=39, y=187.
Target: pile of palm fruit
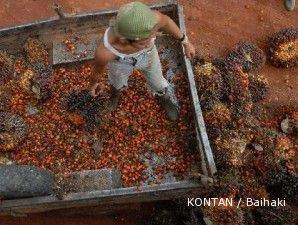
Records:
x=69, y=130
x=283, y=48
x=19, y=74
x=32, y=71
x=254, y=158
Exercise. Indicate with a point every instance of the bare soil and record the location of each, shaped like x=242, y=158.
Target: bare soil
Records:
x=213, y=26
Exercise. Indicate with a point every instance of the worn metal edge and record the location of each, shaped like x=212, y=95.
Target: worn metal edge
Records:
x=76, y=16
x=114, y=11
x=200, y=124
x=115, y=196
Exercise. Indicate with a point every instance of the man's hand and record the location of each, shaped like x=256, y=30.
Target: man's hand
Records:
x=92, y=89
x=102, y=57
x=166, y=24
x=190, y=50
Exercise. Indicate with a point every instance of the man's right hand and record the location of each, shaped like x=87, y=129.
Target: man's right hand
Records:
x=102, y=57
x=92, y=89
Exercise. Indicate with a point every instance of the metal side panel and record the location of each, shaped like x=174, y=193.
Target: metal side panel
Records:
x=113, y=196
x=200, y=124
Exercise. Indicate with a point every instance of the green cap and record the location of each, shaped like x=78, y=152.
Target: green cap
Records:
x=134, y=21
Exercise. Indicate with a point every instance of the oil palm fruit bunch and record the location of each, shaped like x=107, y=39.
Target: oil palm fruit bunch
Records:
x=235, y=183
x=282, y=147
x=280, y=215
x=209, y=82
x=258, y=86
x=20, y=65
x=250, y=187
x=230, y=147
x=5, y=98
x=217, y=118
x=7, y=141
x=36, y=52
x=6, y=67
x=13, y=130
x=237, y=82
x=41, y=85
x=228, y=183
x=41, y=88
x=26, y=80
x=248, y=55
x=223, y=215
x=85, y=105
x=243, y=107
x=238, y=93
x=276, y=148
x=283, y=48
x=266, y=144
x=37, y=83
x=282, y=183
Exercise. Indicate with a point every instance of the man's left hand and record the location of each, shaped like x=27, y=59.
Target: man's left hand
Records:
x=189, y=50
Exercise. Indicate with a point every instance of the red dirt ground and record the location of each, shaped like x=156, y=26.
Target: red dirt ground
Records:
x=213, y=26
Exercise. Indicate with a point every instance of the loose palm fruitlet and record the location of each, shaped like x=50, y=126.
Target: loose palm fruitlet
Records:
x=13, y=130
x=209, y=82
x=36, y=51
x=258, y=86
x=6, y=67
x=283, y=48
x=248, y=55
x=218, y=118
x=85, y=105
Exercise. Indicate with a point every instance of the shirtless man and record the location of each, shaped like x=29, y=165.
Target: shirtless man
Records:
x=128, y=44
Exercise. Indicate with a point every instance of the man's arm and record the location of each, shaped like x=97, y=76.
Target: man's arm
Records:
x=166, y=24
x=102, y=58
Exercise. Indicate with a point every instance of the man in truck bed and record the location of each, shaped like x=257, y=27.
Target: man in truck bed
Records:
x=128, y=44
